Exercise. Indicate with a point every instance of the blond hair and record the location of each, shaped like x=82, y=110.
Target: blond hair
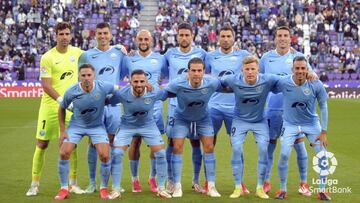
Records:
x=250, y=59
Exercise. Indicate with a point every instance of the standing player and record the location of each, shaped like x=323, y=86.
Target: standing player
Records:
x=223, y=62
x=300, y=118
x=58, y=72
x=152, y=64
x=279, y=62
x=138, y=119
x=191, y=118
x=178, y=59
x=88, y=100
x=107, y=63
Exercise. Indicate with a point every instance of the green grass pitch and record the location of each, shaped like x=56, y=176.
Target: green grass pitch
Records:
x=17, y=130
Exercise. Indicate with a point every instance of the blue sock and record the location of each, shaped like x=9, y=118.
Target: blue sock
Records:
x=243, y=165
x=210, y=165
x=196, y=159
x=92, y=161
x=323, y=179
x=64, y=168
x=236, y=164
x=134, y=167
x=161, y=167
x=105, y=169
x=283, y=165
x=169, y=150
x=153, y=167
x=117, y=155
x=262, y=162
x=176, y=161
x=271, y=149
x=302, y=160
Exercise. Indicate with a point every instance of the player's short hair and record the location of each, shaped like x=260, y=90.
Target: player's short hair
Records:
x=250, y=59
x=300, y=58
x=62, y=26
x=103, y=25
x=196, y=60
x=283, y=28
x=228, y=28
x=138, y=72
x=86, y=65
x=185, y=26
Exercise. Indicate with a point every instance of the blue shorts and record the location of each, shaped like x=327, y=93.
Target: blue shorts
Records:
x=112, y=118
x=219, y=114
x=158, y=116
x=170, y=119
x=240, y=128
x=292, y=132
x=150, y=133
x=96, y=134
x=275, y=121
x=193, y=130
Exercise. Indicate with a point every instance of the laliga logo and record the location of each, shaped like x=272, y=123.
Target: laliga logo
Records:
x=321, y=164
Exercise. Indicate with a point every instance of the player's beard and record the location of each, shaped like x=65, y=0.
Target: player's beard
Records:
x=184, y=45
x=139, y=90
x=144, y=50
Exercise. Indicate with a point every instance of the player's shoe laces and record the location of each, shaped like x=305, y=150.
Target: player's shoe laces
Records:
x=91, y=188
x=281, y=194
x=76, y=189
x=236, y=193
x=197, y=188
x=62, y=194
x=33, y=190
x=324, y=196
x=177, y=190
x=267, y=187
x=213, y=192
x=162, y=193
x=153, y=185
x=115, y=194
x=304, y=189
x=260, y=193
x=104, y=193
x=170, y=187
x=136, y=187
x=244, y=189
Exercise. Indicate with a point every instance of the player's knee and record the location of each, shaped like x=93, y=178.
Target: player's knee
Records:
x=160, y=154
x=104, y=157
x=284, y=157
x=209, y=147
x=299, y=140
x=178, y=148
x=42, y=144
x=64, y=154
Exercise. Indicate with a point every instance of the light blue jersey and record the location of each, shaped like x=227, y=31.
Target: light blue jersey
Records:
x=88, y=106
x=300, y=102
x=250, y=99
x=138, y=111
x=193, y=102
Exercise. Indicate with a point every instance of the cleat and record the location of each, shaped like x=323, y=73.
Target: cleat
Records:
x=177, y=190
x=153, y=185
x=136, y=187
x=244, y=189
x=76, y=190
x=115, y=194
x=91, y=188
x=206, y=186
x=267, y=187
x=304, y=189
x=324, y=196
x=104, y=193
x=213, y=192
x=260, y=193
x=33, y=190
x=281, y=195
x=197, y=188
x=122, y=190
x=162, y=193
x=237, y=193
x=170, y=187
x=62, y=194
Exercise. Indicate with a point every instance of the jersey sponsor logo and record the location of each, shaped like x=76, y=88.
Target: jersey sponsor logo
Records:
x=307, y=91
x=68, y=74
x=300, y=105
x=148, y=75
x=107, y=70
x=89, y=110
x=182, y=70
x=205, y=91
x=196, y=104
x=252, y=101
x=140, y=114
x=226, y=72
x=147, y=100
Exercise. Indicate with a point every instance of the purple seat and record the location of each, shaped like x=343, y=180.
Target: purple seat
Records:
x=331, y=76
x=29, y=73
x=354, y=76
x=338, y=76
x=94, y=16
x=335, y=59
x=346, y=76
x=322, y=66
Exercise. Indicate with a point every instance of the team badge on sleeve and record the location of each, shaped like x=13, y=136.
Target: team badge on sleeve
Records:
x=43, y=70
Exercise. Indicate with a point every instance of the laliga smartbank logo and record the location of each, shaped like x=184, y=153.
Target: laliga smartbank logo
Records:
x=324, y=164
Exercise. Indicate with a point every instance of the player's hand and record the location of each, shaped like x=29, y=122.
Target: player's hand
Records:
x=132, y=53
x=312, y=77
x=149, y=87
x=126, y=79
x=121, y=48
x=322, y=138
x=63, y=136
x=292, y=50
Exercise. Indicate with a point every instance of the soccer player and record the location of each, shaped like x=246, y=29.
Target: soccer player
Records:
x=279, y=62
x=107, y=62
x=58, y=71
x=300, y=118
x=223, y=62
x=152, y=64
x=251, y=90
x=138, y=119
x=177, y=60
x=88, y=100
x=192, y=119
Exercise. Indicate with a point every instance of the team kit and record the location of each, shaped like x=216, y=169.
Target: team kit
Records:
x=273, y=97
